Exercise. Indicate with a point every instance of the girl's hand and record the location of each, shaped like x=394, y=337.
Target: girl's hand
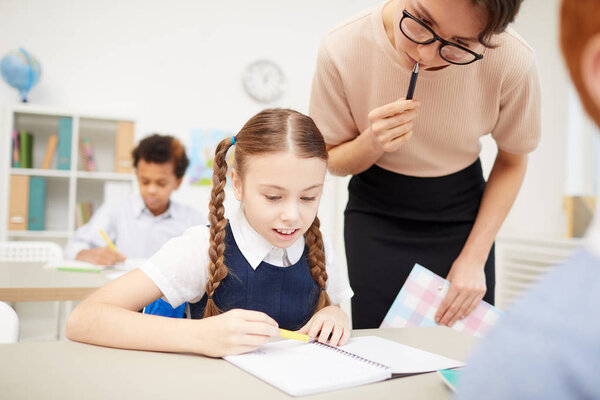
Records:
x=329, y=321
x=392, y=124
x=100, y=256
x=234, y=332
x=467, y=287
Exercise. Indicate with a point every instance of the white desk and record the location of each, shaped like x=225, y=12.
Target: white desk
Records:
x=30, y=282
x=68, y=370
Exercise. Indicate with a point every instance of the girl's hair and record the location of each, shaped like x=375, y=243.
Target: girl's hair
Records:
x=162, y=149
x=269, y=131
x=499, y=14
x=578, y=24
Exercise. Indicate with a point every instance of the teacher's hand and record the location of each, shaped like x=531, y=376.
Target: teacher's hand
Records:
x=392, y=124
x=467, y=287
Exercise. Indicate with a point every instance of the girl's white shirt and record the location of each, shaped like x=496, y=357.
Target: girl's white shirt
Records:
x=180, y=267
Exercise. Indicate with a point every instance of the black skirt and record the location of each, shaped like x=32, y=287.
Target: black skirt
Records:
x=393, y=221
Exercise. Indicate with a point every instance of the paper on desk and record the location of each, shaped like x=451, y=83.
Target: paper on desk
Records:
x=127, y=265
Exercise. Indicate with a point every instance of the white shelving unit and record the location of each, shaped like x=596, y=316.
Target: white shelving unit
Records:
x=64, y=188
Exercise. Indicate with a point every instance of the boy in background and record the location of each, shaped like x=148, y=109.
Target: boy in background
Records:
x=140, y=224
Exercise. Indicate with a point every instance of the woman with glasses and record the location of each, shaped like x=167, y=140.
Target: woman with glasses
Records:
x=417, y=194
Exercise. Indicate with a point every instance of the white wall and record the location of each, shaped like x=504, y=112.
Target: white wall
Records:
x=538, y=209
x=178, y=66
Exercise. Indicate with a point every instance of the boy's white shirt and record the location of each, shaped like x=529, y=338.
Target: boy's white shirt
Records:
x=136, y=232
x=180, y=267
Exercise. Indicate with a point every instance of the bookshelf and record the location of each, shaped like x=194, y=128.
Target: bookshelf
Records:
x=68, y=183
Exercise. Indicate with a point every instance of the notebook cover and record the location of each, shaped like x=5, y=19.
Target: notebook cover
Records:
x=18, y=203
x=450, y=377
x=37, y=204
x=50, y=149
x=123, y=147
x=16, y=153
x=25, y=149
x=419, y=299
x=65, y=129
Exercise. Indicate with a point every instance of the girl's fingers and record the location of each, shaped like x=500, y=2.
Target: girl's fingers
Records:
x=336, y=335
x=325, y=331
x=345, y=337
x=315, y=328
x=261, y=329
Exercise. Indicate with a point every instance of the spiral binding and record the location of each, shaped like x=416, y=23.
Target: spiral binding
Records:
x=352, y=355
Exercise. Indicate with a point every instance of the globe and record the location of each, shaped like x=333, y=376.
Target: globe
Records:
x=20, y=70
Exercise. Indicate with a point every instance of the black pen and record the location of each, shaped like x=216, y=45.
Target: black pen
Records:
x=413, y=82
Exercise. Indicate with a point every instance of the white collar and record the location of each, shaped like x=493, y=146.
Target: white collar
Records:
x=139, y=208
x=254, y=247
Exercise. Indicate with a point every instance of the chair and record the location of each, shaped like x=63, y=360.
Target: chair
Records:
x=30, y=251
x=9, y=324
x=23, y=251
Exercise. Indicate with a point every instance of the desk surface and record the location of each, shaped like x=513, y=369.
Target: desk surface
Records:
x=69, y=370
x=30, y=282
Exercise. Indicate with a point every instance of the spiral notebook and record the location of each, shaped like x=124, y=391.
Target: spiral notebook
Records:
x=301, y=369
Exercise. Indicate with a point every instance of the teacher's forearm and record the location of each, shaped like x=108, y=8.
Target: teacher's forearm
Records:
x=355, y=156
x=499, y=195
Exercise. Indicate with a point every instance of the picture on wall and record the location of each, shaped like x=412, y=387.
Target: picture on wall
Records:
x=203, y=144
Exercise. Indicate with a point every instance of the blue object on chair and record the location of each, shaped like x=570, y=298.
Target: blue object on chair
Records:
x=162, y=308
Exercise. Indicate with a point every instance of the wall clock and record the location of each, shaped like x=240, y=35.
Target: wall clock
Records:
x=264, y=81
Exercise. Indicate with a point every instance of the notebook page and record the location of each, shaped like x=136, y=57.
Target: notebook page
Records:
x=402, y=359
x=307, y=368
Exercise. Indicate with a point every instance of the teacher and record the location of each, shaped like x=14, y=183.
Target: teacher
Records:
x=417, y=194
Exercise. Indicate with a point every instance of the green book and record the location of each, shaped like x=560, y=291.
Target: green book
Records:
x=36, y=217
x=65, y=128
x=25, y=149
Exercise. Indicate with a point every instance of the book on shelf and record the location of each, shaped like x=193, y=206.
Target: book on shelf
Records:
x=83, y=213
x=65, y=130
x=36, y=216
x=50, y=150
x=123, y=147
x=16, y=160
x=18, y=202
x=87, y=154
x=25, y=149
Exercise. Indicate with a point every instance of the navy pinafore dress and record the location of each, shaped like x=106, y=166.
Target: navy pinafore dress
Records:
x=287, y=294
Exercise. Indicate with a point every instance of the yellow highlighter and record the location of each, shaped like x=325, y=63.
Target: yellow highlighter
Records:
x=107, y=240
x=295, y=335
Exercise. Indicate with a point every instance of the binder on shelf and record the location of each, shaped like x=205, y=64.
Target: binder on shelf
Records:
x=87, y=154
x=123, y=147
x=18, y=202
x=25, y=149
x=50, y=149
x=36, y=218
x=16, y=159
x=65, y=128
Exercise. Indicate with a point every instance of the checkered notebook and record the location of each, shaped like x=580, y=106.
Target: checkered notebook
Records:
x=420, y=298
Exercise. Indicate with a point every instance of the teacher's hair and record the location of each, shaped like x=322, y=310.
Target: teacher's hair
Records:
x=269, y=131
x=579, y=22
x=499, y=14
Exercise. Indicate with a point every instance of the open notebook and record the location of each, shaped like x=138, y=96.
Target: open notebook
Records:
x=307, y=368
